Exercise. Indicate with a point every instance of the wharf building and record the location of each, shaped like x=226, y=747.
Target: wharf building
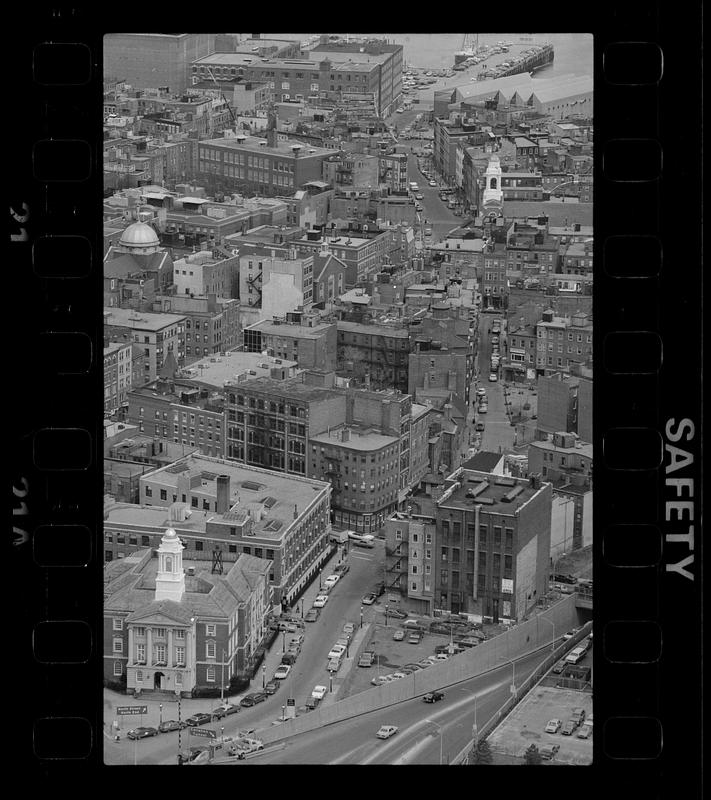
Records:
x=371, y=446
x=154, y=59
x=172, y=624
x=492, y=546
x=220, y=510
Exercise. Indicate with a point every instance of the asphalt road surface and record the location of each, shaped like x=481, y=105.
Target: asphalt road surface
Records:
x=425, y=730
x=498, y=432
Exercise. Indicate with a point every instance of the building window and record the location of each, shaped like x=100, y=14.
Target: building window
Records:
x=118, y=668
x=210, y=630
x=210, y=675
x=118, y=646
x=139, y=676
x=179, y=633
x=210, y=649
x=118, y=624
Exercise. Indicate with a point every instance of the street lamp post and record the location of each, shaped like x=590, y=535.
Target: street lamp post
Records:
x=361, y=616
x=160, y=712
x=264, y=675
x=319, y=578
x=550, y=622
x=283, y=641
x=387, y=608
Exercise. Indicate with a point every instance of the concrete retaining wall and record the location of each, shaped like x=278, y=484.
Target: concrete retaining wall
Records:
x=526, y=636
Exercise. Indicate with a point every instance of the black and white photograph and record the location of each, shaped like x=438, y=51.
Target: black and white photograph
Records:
x=348, y=399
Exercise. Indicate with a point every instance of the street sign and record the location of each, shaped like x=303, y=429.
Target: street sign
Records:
x=290, y=701
x=124, y=711
x=207, y=733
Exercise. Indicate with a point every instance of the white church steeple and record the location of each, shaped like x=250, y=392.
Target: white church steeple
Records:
x=493, y=197
x=170, y=578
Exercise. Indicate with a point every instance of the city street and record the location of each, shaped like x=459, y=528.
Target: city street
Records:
x=418, y=741
x=498, y=434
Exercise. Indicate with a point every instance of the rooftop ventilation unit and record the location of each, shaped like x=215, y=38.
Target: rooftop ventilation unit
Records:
x=513, y=494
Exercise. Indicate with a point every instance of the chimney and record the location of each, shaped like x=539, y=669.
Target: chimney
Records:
x=346, y=435
x=223, y=494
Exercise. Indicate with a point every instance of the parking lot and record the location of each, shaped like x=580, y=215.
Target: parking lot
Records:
x=525, y=725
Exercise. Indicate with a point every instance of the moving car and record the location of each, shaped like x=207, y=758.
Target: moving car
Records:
x=386, y=731
x=553, y=726
x=320, y=601
x=171, y=725
x=272, y=687
x=369, y=599
x=432, y=697
x=569, y=727
x=424, y=663
x=282, y=671
x=398, y=636
x=229, y=708
x=570, y=633
x=319, y=692
x=493, y=378
x=142, y=733
x=433, y=183
x=312, y=615
x=198, y=719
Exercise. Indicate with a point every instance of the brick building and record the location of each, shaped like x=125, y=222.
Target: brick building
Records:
x=172, y=625
x=312, y=345
x=118, y=377
x=492, y=546
x=374, y=355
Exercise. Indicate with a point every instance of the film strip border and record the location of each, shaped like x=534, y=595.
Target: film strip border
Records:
x=648, y=321
x=647, y=406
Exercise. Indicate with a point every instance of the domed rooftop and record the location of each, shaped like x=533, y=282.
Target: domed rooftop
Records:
x=170, y=534
x=139, y=235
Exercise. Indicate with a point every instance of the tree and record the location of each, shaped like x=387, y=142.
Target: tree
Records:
x=532, y=755
x=481, y=754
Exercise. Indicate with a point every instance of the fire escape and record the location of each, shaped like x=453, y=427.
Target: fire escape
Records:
x=396, y=567
x=252, y=281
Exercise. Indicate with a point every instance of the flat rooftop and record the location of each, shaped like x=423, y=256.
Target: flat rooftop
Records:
x=252, y=143
x=293, y=388
x=372, y=330
x=140, y=320
x=361, y=439
x=290, y=330
x=585, y=449
x=219, y=370
x=488, y=490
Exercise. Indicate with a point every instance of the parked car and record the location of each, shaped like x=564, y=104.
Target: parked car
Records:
x=414, y=638
x=272, y=687
x=493, y=378
x=559, y=667
x=341, y=569
x=142, y=733
x=569, y=727
x=312, y=615
x=481, y=391
x=432, y=697
x=564, y=578
x=424, y=663
x=260, y=697
x=578, y=715
x=398, y=636
x=282, y=671
x=483, y=408
x=366, y=659
x=584, y=732
x=349, y=627
x=289, y=659
x=379, y=680
x=320, y=601
x=334, y=664
x=344, y=641
x=479, y=426
x=296, y=641
x=553, y=726
x=395, y=613
x=332, y=580
x=386, y=731
x=198, y=719
x=337, y=651
x=319, y=692
x=547, y=751
x=369, y=599
x=312, y=703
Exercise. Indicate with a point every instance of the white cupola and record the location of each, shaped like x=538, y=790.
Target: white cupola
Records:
x=170, y=578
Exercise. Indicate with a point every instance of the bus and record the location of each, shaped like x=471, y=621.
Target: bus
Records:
x=361, y=539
